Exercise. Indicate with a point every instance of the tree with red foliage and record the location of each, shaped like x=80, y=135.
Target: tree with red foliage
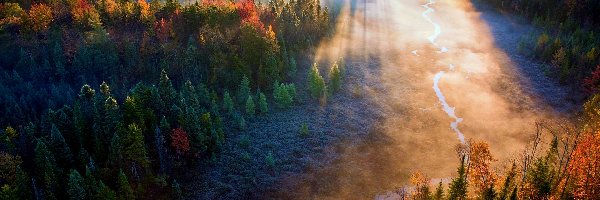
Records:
x=584, y=167
x=591, y=84
x=180, y=141
x=248, y=13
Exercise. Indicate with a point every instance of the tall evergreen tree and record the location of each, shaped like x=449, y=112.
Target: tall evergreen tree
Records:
x=166, y=92
x=439, y=192
x=134, y=148
x=250, y=107
x=105, y=193
x=125, y=192
x=458, y=186
x=227, y=103
x=76, y=187
x=262, y=103
x=60, y=147
x=45, y=168
x=243, y=90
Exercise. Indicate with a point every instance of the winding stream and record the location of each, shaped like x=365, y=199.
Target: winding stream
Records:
x=447, y=108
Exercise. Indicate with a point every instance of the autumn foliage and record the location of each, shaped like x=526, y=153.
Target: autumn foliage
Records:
x=591, y=84
x=180, y=141
x=584, y=167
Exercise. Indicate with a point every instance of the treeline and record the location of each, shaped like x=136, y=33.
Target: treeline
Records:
x=110, y=99
x=567, y=166
x=569, y=41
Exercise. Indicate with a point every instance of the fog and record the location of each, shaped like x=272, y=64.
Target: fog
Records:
x=438, y=76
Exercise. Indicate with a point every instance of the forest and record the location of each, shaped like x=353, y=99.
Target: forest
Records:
x=109, y=99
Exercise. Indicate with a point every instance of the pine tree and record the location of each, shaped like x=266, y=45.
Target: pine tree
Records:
x=60, y=147
x=134, y=148
x=177, y=192
x=439, y=192
x=125, y=192
x=23, y=184
x=250, y=108
x=227, y=103
x=458, y=186
x=243, y=90
x=105, y=193
x=115, y=156
x=45, y=168
x=335, y=78
x=166, y=92
x=316, y=84
x=91, y=185
x=262, y=103
x=58, y=58
x=76, y=188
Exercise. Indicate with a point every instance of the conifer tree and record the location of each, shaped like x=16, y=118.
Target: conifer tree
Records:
x=58, y=58
x=335, y=78
x=177, y=192
x=439, y=192
x=76, y=188
x=262, y=103
x=23, y=184
x=227, y=103
x=105, y=193
x=91, y=184
x=243, y=90
x=458, y=186
x=60, y=147
x=125, y=192
x=250, y=107
x=115, y=156
x=45, y=168
x=166, y=92
x=133, y=146
x=316, y=84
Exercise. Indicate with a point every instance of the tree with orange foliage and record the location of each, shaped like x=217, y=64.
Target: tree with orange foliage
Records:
x=40, y=17
x=247, y=11
x=480, y=172
x=180, y=141
x=584, y=167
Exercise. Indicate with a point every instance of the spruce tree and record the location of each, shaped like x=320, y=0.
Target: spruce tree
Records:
x=250, y=107
x=76, y=187
x=177, y=192
x=45, y=168
x=105, y=193
x=227, y=103
x=133, y=146
x=60, y=147
x=125, y=192
x=166, y=92
x=262, y=103
x=335, y=78
x=243, y=90
x=115, y=157
x=439, y=192
x=458, y=186
x=316, y=84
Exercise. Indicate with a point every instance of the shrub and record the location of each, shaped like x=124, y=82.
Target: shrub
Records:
x=270, y=160
x=304, y=130
x=250, y=108
x=316, y=84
